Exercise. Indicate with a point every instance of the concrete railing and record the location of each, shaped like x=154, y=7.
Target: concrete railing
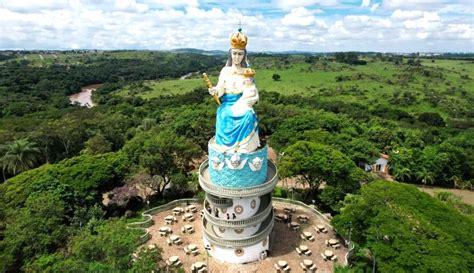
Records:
x=148, y=215
x=213, y=239
x=325, y=219
x=221, y=191
x=252, y=220
x=219, y=202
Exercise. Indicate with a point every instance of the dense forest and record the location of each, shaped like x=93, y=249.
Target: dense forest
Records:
x=326, y=117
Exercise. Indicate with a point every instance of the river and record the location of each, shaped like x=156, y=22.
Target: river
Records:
x=188, y=75
x=84, y=98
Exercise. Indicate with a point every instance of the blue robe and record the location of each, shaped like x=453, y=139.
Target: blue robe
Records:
x=231, y=129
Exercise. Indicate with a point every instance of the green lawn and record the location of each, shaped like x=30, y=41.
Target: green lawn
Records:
x=74, y=58
x=375, y=83
x=164, y=87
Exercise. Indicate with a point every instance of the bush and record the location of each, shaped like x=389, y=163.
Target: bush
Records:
x=433, y=119
x=280, y=192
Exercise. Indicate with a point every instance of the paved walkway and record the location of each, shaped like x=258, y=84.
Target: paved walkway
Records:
x=283, y=244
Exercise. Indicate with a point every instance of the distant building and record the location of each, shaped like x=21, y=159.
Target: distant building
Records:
x=380, y=165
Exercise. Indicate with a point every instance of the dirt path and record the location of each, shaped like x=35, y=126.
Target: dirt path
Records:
x=467, y=196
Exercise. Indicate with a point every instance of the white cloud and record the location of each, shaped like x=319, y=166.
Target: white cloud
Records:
x=429, y=21
x=460, y=31
x=415, y=4
x=404, y=14
x=290, y=4
x=422, y=35
x=374, y=7
x=301, y=17
x=32, y=5
x=463, y=7
x=130, y=5
x=365, y=3
x=144, y=24
x=175, y=3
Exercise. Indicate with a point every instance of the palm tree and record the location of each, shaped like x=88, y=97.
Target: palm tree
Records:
x=425, y=176
x=402, y=173
x=461, y=184
x=18, y=156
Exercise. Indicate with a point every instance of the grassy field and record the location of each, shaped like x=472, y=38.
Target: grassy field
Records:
x=164, y=87
x=42, y=59
x=448, y=81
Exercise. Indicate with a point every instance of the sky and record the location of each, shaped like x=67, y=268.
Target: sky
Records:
x=271, y=25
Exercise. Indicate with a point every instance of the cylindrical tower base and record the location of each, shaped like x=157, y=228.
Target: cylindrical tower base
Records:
x=239, y=255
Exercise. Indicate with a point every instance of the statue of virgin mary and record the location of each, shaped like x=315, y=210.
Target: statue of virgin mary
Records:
x=236, y=121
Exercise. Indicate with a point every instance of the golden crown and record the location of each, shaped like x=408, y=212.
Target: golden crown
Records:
x=238, y=40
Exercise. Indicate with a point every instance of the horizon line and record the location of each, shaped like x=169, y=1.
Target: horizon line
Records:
x=225, y=51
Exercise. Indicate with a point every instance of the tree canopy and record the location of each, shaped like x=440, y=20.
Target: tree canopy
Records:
x=406, y=230
x=315, y=164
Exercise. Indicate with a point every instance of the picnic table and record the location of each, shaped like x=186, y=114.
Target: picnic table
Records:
x=164, y=231
x=305, y=235
x=288, y=210
x=175, y=239
x=282, y=265
x=188, y=217
x=321, y=228
x=198, y=267
x=303, y=250
x=308, y=266
x=281, y=217
x=189, y=228
x=328, y=253
x=295, y=225
x=303, y=218
x=333, y=241
x=178, y=211
x=191, y=249
x=174, y=260
x=170, y=219
x=191, y=208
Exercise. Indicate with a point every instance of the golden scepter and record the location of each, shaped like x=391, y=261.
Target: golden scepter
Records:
x=209, y=85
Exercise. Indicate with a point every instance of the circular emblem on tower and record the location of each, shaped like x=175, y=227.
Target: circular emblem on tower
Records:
x=238, y=209
x=253, y=204
x=239, y=251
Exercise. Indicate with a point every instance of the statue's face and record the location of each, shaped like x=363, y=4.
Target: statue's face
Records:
x=237, y=56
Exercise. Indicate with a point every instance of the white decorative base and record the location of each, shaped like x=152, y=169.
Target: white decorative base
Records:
x=239, y=255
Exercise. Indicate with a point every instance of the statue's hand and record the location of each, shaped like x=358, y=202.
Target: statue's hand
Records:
x=212, y=91
x=251, y=102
